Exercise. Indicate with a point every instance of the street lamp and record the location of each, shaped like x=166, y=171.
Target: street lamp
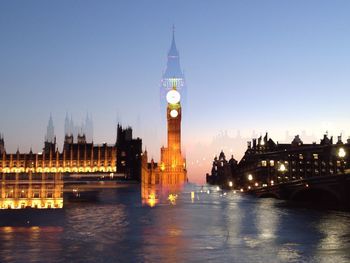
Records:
x=341, y=153
x=282, y=168
x=250, y=177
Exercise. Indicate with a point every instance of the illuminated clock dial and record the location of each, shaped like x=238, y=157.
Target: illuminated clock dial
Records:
x=173, y=97
x=174, y=113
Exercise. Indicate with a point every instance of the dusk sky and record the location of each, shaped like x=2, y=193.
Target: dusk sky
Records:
x=249, y=65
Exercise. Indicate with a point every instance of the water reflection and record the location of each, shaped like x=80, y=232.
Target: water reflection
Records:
x=40, y=191
x=153, y=194
x=205, y=225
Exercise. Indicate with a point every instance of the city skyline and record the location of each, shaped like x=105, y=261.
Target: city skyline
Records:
x=243, y=71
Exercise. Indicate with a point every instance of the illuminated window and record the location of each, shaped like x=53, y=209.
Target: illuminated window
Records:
x=301, y=156
x=315, y=155
x=263, y=163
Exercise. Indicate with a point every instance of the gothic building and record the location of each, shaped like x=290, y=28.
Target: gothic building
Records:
x=77, y=156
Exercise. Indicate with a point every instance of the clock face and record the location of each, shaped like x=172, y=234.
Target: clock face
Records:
x=173, y=97
x=174, y=113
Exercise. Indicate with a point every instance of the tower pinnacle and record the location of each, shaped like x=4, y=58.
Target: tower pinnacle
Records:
x=50, y=133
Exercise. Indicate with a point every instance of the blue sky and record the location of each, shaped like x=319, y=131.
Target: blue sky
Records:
x=249, y=65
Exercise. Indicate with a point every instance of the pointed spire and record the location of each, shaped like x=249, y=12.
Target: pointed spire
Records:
x=173, y=69
x=50, y=133
x=173, y=50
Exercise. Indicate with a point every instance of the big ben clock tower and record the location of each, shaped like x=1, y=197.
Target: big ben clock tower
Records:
x=173, y=165
x=170, y=172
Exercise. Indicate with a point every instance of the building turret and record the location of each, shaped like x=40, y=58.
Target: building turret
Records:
x=50, y=132
x=88, y=128
x=81, y=139
x=50, y=138
x=2, y=144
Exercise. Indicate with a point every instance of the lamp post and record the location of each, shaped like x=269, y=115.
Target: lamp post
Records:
x=341, y=155
x=282, y=168
x=250, y=179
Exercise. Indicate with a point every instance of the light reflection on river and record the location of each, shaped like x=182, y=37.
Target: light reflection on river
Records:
x=214, y=227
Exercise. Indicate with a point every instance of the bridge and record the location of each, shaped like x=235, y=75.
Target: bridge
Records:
x=330, y=190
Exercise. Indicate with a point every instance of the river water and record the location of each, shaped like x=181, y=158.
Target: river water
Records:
x=212, y=227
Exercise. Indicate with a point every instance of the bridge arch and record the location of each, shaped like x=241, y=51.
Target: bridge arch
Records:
x=316, y=195
x=268, y=195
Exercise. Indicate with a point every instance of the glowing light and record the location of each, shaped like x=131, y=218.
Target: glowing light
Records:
x=174, y=113
x=152, y=200
x=192, y=196
x=230, y=183
x=282, y=168
x=172, y=198
x=250, y=177
x=218, y=188
x=272, y=182
x=173, y=96
x=241, y=190
x=256, y=184
x=341, y=153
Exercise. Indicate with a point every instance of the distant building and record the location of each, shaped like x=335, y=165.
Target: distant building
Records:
x=266, y=162
x=222, y=172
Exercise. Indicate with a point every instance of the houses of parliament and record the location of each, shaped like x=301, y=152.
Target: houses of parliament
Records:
x=36, y=179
